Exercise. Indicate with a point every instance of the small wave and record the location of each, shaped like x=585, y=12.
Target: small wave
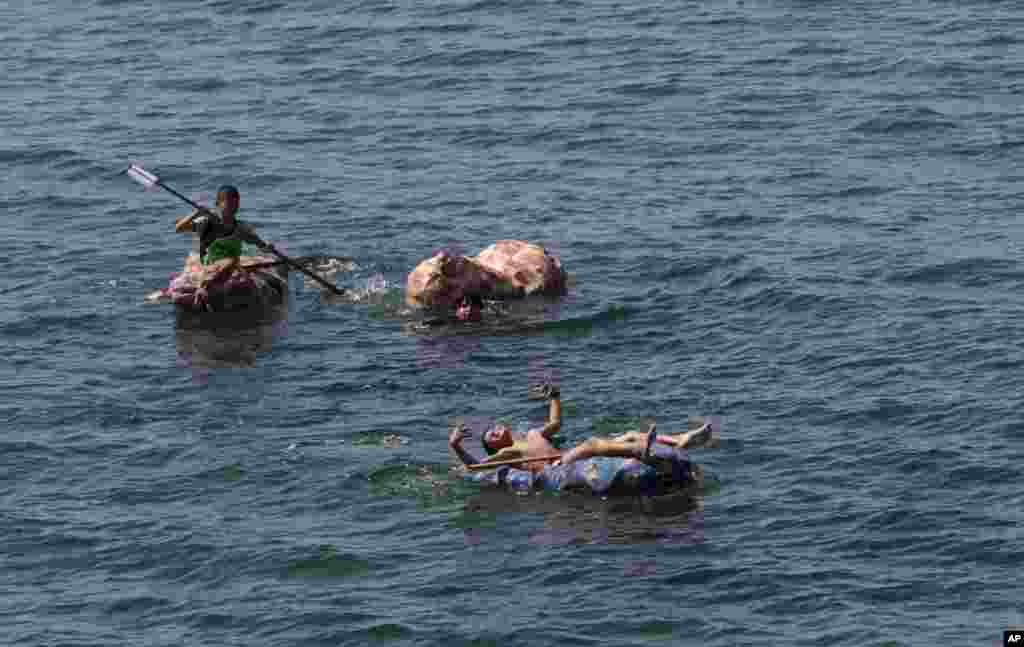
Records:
x=998, y=40
x=37, y=155
x=987, y=150
x=388, y=631
x=259, y=8
x=785, y=298
x=853, y=69
x=949, y=26
x=208, y=84
x=21, y=287
x=25, y=457
x=816, y=49
x=328, y=563
x=318, y=75
x=977, y=271
x=34, y=326
x=440, y=82
x=904, y=122
x=667, y=88
x=448, y=28
x=685, y=269
x=744, y=277
x=727, y=220
x=472, y=58
x=860, y=191
x=138, y=605
x=487, y=7
x=727, y=21
x=334, y=35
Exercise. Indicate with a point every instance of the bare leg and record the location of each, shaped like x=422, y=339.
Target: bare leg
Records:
x=637, y=444
x=631, y=445
x=700, y=433
x=644, y=436
x=692, y=438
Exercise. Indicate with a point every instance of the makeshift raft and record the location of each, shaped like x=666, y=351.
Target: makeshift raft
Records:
x=668, y=470
x=506, y=269
x=248, y=282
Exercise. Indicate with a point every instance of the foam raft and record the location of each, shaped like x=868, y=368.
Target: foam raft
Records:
x=506, y=269
x=670, y=470
x=256, y=282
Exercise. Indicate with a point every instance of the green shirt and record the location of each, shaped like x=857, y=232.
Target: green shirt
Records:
x=211, y=227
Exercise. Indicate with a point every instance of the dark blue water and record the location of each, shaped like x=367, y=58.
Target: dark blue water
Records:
x=802, y=216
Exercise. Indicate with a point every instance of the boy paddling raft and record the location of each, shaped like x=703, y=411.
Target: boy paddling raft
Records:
x=222, y=225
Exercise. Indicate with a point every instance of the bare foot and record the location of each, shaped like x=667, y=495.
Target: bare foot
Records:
x=652, y=437
x=697, y=437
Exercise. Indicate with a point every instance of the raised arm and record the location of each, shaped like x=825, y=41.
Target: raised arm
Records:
x=554, y=422
x=455, y=438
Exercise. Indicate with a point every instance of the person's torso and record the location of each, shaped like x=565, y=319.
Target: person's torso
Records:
x=214, y=229
x=542, y=449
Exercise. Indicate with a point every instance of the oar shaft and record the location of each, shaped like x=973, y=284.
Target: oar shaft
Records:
x=291, y=263
x=513, y=461
x=300, y=259
x=175, y=193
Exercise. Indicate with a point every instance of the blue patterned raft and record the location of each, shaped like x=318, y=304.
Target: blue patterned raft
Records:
x=668, y=469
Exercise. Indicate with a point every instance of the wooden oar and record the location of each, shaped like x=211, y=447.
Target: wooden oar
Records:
x=330, y=286
x=262, y=265
x=149, y=180
x=302, y=259
x=512, y=461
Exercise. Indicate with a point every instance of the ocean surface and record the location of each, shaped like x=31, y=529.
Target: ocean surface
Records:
x=804, y=217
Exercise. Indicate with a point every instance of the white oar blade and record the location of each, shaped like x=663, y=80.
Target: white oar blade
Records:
x=142, y=176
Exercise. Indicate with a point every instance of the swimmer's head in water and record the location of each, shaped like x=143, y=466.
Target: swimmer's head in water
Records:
x=497, y=437
x=469, y=308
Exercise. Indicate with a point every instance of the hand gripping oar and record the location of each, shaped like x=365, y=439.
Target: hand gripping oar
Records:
x=512, y=461
x=148, y=180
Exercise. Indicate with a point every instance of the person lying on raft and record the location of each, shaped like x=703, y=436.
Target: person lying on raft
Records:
x=502, y=445
x=635, y=463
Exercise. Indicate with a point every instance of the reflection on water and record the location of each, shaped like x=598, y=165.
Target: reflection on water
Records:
x=487, y=514
x=570, y=518
x=533, y=315
x=217, y=340
x=445, y=352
